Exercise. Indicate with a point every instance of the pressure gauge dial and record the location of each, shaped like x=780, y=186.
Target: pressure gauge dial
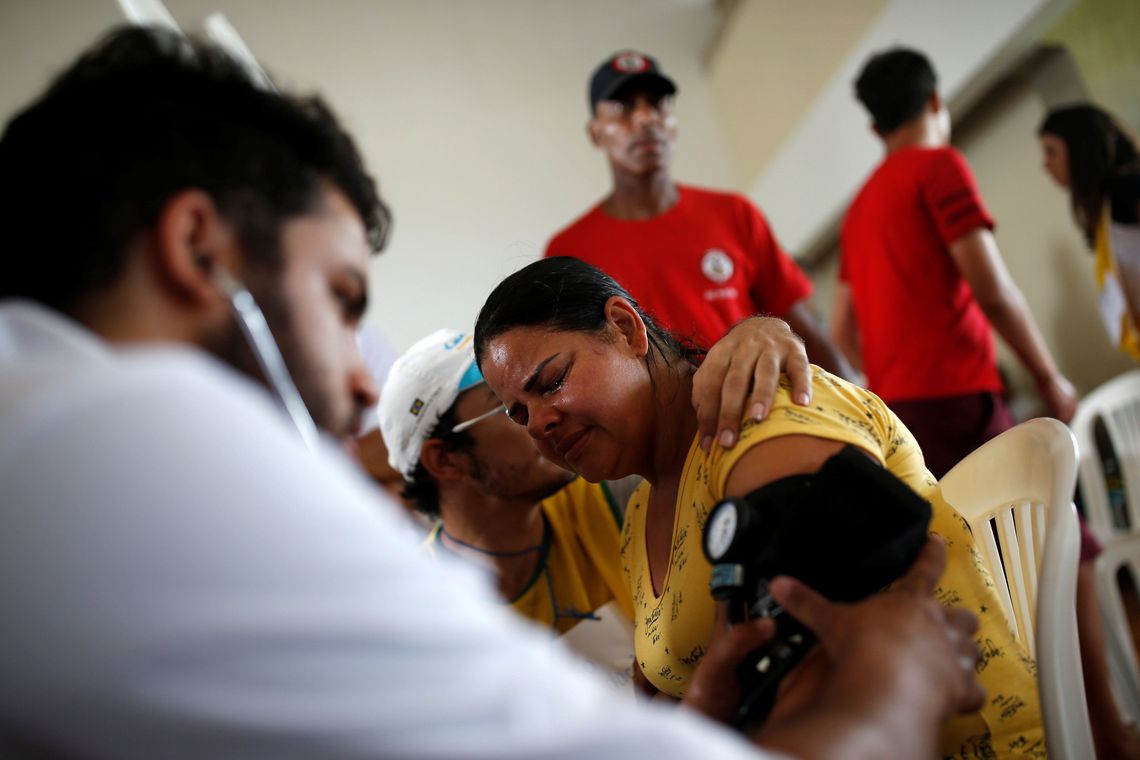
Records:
x=720, y=530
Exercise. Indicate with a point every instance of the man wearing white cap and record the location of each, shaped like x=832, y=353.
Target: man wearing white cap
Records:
x=552, y=539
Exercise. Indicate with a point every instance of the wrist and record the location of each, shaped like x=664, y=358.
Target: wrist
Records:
x=896, y=697
x=1046, y=379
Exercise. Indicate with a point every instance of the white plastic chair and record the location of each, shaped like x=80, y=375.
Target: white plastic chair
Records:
x=1022, y=482
x=1122, y=552
x=1117, y=402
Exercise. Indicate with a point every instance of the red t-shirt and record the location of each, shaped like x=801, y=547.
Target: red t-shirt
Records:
x=921, y=332
x=698, y=269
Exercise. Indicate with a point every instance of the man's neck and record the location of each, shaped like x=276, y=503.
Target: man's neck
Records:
x=135, y=311
x=641, y=197
x=486, y=529
x=920, y=133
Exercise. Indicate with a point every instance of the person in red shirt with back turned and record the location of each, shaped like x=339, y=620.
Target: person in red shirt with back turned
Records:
x=698, y=260
x=921, y=279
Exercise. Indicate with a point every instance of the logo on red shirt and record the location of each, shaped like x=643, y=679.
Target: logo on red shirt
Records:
x=717, y=265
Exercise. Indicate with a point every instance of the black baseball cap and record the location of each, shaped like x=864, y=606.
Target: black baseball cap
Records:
x=623, y=68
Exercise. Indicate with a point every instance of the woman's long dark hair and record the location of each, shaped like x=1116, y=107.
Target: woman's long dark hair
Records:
x=568, y=295
x=1099, y=148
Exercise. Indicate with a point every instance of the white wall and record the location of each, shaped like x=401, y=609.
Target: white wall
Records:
x=769, y=64
x=471, y=114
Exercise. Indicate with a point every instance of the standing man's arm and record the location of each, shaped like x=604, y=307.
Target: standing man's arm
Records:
x=844, y=328
x=977, y=257
x=820, y=350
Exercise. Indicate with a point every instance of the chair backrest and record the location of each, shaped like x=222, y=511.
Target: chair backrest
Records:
x=1021, y=483
x=1117, y=403
x=1122, y=553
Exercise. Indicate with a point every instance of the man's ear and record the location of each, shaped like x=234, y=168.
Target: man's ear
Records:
x=624, y=319
x=593, y=131
x=441, y=462
x=191, y=239
x=934, y=102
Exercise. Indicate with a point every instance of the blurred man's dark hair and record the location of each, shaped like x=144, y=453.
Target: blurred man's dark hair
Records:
x=140, y=117
x=894, y=86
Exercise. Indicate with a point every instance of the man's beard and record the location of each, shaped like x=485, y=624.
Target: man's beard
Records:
x=231, y=346
x=495, y=482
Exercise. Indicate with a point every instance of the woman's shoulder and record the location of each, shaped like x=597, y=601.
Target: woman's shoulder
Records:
x=838, y=413
x=837, y=405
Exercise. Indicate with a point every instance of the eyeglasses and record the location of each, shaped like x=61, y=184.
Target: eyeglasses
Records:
x=468, y=423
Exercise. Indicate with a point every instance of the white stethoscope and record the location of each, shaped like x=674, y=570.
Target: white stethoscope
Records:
x=251, y=321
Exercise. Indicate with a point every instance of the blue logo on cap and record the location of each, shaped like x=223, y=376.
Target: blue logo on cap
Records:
x=471, y=377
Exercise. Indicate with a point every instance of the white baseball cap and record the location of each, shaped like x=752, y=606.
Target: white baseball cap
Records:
x=422, y=385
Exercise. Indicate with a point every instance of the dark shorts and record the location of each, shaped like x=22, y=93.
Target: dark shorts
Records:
x=949, y=428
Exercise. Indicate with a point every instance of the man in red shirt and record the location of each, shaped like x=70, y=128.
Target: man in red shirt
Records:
x=698, y=260
x=922, y=281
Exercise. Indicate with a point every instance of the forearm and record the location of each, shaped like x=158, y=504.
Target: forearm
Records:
x=865, y=717
x=977, y=258
x=826, y=355
x=1010, y=316
x=847, y=342
x=820, y=350
x=830, y=735
x=845, y=326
